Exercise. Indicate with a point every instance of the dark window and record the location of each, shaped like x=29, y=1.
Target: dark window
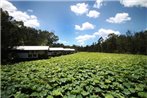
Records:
x=29, y=55
x=34, y=55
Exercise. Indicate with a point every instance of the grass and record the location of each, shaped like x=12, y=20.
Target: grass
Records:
x=79, y=75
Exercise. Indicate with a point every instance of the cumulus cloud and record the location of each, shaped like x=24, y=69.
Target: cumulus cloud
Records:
x=119, y=18
x=82, y=38
x=7, y=6
x=29, y=20
x=84, y=26
x=105, y=32
x=93, y=14
x=100, y=33
x=98, y=4
x=79, y=8
x=63, y=41
x=132, y=3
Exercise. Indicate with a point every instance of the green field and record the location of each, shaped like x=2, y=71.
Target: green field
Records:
x=79, y=75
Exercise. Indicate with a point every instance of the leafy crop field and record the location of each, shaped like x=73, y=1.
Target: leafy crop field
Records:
x=79, y=75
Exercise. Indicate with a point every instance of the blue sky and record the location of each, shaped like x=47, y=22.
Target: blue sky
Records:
x=81, y=22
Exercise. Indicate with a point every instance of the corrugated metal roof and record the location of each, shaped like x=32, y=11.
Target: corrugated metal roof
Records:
x=42, y=48
x=56, y=49
x=60, y=49
x=32, y=48
x=69, y=49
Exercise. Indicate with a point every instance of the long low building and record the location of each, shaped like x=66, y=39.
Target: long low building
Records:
x=56, y=51
x=34, y=52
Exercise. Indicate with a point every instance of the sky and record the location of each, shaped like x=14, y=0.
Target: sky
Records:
x=80, y=22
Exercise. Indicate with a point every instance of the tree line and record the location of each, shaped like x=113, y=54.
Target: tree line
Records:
x=14, y=33
x=134, y=43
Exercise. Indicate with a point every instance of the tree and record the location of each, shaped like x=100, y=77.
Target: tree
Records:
x=52, y=38
x=14, y=33
x=10, y=35
x=99, y=44
x=128, y=43
x=140, y=40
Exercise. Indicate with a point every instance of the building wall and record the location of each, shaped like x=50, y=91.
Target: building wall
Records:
x=22, y=55
x=31, y=54
x=34, y=54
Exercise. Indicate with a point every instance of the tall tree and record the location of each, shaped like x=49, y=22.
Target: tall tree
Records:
x=14, y=33
x=99, y=44
x=129, y=43
x=10, y=35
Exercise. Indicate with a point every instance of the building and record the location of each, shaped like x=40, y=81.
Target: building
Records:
x=31, y=52
x=35, y=52
x=56, y=51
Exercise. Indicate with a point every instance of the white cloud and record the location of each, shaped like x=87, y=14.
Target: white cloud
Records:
x=29, y=10
x=7, y=6
x=132, y=3
x=29, y=20
x=105, y=32
x=98, y=3
x=63, y=42
x=93, y=14
x=79, y=8
x=85, y=26
x=101, y=33
x=119, y=18
x=82, y=38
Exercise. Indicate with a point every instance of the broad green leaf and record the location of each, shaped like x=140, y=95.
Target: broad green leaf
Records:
x=126, y=92
x=49, y=96
x=142, y=94
x=84, y=93
x=56, y=93
x=108, y=96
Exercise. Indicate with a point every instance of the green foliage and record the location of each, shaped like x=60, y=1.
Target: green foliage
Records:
x=79, y=75
x=14, y=33
x=56, y=93
x=130, y=43
x=142, y=94
x=108, y=96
